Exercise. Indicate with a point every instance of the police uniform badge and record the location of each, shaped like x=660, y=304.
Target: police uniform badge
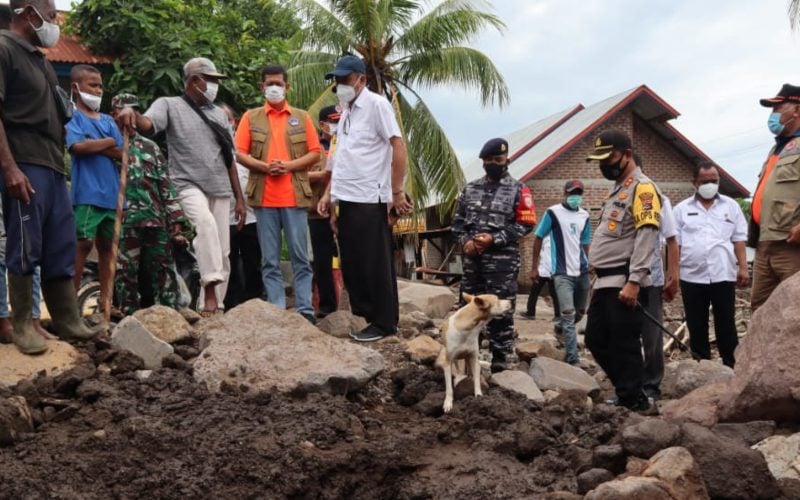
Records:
x=628, y=182
x=623, y=196
x=294, y=122
x=612, y=225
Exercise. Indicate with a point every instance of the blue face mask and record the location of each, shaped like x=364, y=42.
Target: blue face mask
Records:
x=574, y=201
x=774, y=123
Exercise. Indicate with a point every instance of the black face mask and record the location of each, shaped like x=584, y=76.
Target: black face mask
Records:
x=612, y=171
x=495, y=171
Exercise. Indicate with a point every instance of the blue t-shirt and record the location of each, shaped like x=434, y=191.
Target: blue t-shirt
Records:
x=95, y=178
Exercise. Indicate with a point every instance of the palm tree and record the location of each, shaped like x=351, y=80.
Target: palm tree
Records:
x=405, y=50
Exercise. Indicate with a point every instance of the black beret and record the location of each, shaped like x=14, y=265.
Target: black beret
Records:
x=494, y=147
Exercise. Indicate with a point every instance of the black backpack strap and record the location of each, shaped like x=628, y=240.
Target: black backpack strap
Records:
x=222, y=135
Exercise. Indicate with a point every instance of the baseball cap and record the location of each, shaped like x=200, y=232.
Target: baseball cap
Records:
x=346, y=65
x=608, y=142
x=494, y=147
x=788, y=93
x=573, y=185
x=124, y=101
x=201, y=66
x=329, y=114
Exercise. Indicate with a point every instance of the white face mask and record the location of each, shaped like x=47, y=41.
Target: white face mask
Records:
x=211, y=92
x=91, y=101
x=332, y=127
x=274, y=94
x=708, y=191
x=48, y=33
x=345, y=93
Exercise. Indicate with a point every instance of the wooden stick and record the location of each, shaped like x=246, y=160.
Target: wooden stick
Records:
x=123, y=182
x=678, y=333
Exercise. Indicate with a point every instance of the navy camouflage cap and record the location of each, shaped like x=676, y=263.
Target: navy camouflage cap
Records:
x=494, y=147
x=124, y=101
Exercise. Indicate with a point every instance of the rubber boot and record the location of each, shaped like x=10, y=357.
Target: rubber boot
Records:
x=20, y=296
x=62, y=302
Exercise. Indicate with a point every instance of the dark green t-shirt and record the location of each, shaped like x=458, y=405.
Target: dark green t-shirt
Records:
x=33, y=126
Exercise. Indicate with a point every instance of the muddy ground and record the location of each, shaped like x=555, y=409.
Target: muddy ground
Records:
x=104, y=433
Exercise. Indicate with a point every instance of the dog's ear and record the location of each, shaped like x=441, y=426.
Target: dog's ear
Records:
x=479, y=302
x=467, y=297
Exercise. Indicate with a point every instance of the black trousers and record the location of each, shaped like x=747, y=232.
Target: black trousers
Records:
x=653, y=343
x=324, y=249
x=613, y=335
x=722, y=297
x=365, y=243
x=536, y=290
x=245, y=280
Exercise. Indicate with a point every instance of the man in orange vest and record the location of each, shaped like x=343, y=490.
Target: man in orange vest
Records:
x=775, y=223
x=279, y=143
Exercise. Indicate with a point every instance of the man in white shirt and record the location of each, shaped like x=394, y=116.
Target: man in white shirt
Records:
x=367, y=171
x=570, y=232
x=712, y=231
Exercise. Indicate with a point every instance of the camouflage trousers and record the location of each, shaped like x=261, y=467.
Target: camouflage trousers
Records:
x=495, y=273
x=145, y=252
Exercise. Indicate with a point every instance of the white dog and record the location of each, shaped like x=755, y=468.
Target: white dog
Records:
x=461, y=341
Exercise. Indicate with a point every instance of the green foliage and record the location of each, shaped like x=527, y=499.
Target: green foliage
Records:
x=745, y=205
x=153, y=39
x=407, y=48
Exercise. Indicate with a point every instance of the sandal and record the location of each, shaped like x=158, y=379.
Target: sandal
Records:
x=207, y=313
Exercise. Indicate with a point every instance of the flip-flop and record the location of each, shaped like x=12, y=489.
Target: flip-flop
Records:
x=208, y=313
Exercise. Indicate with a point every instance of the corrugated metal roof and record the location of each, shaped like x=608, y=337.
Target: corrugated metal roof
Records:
x=534, y=147
x=579, y=124
x=518, y=140
x=70, y=50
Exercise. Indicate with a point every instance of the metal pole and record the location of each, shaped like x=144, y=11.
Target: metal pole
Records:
x=663, y=328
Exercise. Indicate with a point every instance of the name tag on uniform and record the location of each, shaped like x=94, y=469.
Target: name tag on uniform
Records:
x=693, y=213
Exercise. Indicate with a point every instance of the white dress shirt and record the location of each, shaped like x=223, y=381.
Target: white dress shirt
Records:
x=706, y=238
x=666, y=231
x=361, y=166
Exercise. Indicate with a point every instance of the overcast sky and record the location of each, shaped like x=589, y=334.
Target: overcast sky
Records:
x=711, y=60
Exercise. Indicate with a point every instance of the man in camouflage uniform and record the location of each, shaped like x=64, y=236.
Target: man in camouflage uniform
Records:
x=152, y=219
x=493, y=213
x=621, y=255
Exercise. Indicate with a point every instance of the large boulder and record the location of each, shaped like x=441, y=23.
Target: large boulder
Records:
x=434, y=301
x=647, y=438
x=766, y=385
x=550, y=374
x=682, y=377
x=700, y=406
x=730, y=470
x=131, y=335
x=262, y=347
x=165, y=323
x=676, y=467
x=516, y=381
x=632, y=488
x=59, y=357
x=782, y=454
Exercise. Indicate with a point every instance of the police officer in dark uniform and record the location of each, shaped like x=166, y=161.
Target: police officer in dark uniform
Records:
x=493, y=213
